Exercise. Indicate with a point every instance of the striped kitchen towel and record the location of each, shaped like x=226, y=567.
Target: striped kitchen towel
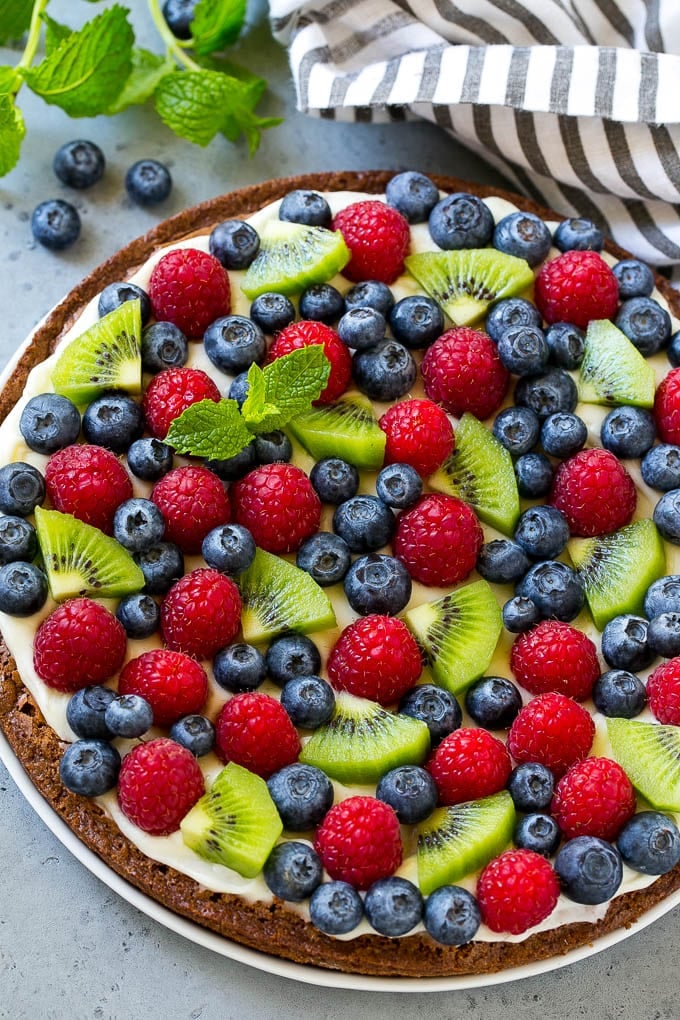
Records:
x=576, y=102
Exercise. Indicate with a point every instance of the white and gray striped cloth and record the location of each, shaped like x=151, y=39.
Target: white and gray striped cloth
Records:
x=576, y=102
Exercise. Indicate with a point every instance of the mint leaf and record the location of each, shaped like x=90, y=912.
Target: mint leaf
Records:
x=83, y=74
x=284, y=389
x=209, y=429
x=15, y=17
x=216, y=24
x=12, y=131
x=191, y=104
x=55, y=33
x=9, y=79
x=148, y=70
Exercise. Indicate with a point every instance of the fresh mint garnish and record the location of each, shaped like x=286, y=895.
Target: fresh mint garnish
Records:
x=12, y=131
x=148, y=70
x=217, y=24
x=209, y=428
x=15, y=17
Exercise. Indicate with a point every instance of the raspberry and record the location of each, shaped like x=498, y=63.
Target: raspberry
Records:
x=171, y=392
x=594, y=492
x=88, y=482
x=462, y=372
x=375, y=657
x=576, y=287
x=667, y=408
x=172, y=683
x=278, y=505
x=552, y=730
x=438, y=540
x=189, y=288
x=418, y=433
x=201, y=613
x=663, y=692
x=593, y=798
x=79, y=644
x=516, y=891
x=255, y=731
x=193, y=501
x=359, y=841
x=469, y=764
x=308, y=333
x=378, y=238
x=159, y=783
x=554, y=656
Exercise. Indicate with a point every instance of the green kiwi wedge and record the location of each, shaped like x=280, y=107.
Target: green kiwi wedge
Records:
x=466, y=283
x=617, y=569
x=458, y=634
x=293, y=256
x=613, y=371
x=649, y=754
x=235, y=824
x=480, y=471
x=277, y=596
x=347, y=429
x=107, y=356
x=362, y=741
x=81, y=560
x=455, y=841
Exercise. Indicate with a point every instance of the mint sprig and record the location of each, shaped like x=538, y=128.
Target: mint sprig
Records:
x=209, y=428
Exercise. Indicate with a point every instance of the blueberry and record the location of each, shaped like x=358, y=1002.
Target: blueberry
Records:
x=555, y=588
x=195, y=732
x=411, y=791
x=393, y=906
x=370, y=294
x=619, y=694
x=531, y=786
x=493, y=702
x=365, y=523
x=302, y=794
x=22, y=488
x=510, y=313
x=416, y=321
x=566, y=344
x=89, y=767
x=149, y=459
x=666, y=516
x=386, y=371
x=635, y=278
x=293, y=871
x=162, y=565
x=325, y=557
x=628, y=431
x=238, y=388
x=537, y=832
x=234, y=243
x=517, y=428
x=563, y=434
x=23, y=588
x=398, y=485
x=650, y=842
x=49, y=422
x=139, y=614
x=308, y=207
x=451, y=915
x=523, y=350
x=322, y=303
x=660, y=467
x=138, y=524
x=86, y=709
x=519, y=614
x=116, y=294
x=461, y=221
x=534, y=474
x=292, y=655
x=524, y=235
x=114, y=421
x=335, y=480
x=55, y=224
x=309, y=701
x=434, y=706
x=272, y=447
x=129, y=715
x=272, y=312
x=335, y=908
x=18, y=539
x=164, y=345
x=548, y=393
x=233, y=343
x=232, y=468
x=589, y=869
x=413, y=194
x=377, y=583
x=502, y=561
x=239, y=667
x=542, y=531
x=229, y=548
x=79, y=164
x=578, y=234
x=663, y=634
x=646, y=324
x=148, y=182
x=179, y=14
x=361, y=328
x=625, y=644
x=673, y=350
x=663, y=596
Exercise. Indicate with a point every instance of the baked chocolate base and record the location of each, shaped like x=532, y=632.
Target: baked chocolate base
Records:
x=268, y=927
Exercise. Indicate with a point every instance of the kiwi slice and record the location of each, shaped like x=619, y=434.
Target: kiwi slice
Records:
x=107, y=356
x=480, y=471
x=467, y=282
x=278, y=597
x=81, y=560
x=649, y=754
x=362, y=741
x=235, y=824
x=293, y=256
x=458, y=633
x=455, y=841
x=613, y=371
x=347, y=429
x=617, y=569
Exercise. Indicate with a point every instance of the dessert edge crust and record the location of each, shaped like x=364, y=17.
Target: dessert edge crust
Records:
x=267, y=927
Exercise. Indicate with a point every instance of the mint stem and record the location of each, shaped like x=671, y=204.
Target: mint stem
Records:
x=32, y=42
x=173, y=45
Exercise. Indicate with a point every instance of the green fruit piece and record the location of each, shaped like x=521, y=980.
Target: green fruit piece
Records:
x=362, y=741
x=480, y=471
x=278, y=597
x=455, y=841
x=458, y=633
x=293, y=256
x=617, y=569
x=81, y=560
x=467, y=282
x=649, y=754
x=235, y=824
x=347, y=429
x=613, y=371
x=107, y=356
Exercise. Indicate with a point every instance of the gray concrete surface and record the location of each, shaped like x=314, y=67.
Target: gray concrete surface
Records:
x=69, y=947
